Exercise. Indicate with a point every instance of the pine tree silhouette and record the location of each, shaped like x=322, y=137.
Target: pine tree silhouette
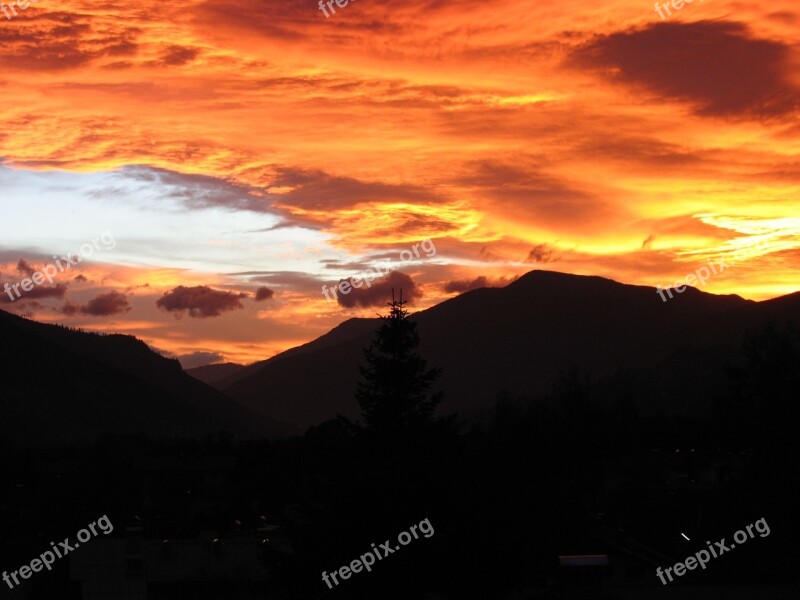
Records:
x=394, y=391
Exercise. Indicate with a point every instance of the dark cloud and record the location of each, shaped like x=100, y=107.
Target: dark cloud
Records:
x=276, y=227
x=178, y=55
x=122, y=49
x=643, y=151
x=784, y=17
x=487, y=255
x=55, y=291
x=465, y=285
x=317, y=190
x=80, y=279
x=525, y=190
x=104, y=305
x=276, y=20
x=312, y=191
x=718, y=66
x=263, y=293
x=70, y=309
x=199, y=359
x=200, y=301
x=199, y=191
x=379, y=291
x=24, y=267
x=57, y=41
x=289, y=22
x=541, y=253
x=45, y=56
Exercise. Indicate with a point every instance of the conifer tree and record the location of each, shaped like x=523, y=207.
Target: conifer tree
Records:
x=394, y=393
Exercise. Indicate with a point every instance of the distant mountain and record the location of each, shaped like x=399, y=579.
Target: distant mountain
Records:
x=668, y=356
x=352, y=329
x=213, y=374
x=62, y=385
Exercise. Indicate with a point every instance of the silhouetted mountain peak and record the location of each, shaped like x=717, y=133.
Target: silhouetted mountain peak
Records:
x=518, y=338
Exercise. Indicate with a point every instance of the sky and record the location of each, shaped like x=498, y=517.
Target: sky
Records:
x=215, y=164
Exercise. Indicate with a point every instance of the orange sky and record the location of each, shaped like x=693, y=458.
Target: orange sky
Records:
x=586, y=137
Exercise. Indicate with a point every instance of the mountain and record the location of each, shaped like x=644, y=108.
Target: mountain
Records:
x=63, y=385
x=668, y=355
x=343, y=333
x=214, y=374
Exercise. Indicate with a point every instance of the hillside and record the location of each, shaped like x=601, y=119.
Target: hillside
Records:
x=61, y=385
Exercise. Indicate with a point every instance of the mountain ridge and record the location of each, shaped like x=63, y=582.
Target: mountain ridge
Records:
x=65, y=385
x=518, y=339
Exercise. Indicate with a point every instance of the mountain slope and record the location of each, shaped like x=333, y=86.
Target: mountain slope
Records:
x=213, y=374
x=520, y=338
x=62, y=385
x=347, y=331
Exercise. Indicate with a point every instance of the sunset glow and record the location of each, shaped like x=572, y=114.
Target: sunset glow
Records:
x=234, y=145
